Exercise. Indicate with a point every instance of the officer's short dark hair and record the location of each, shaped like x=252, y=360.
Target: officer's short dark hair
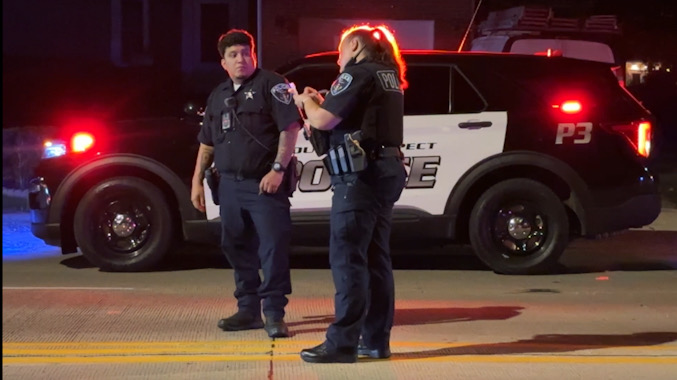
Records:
x=234, y=37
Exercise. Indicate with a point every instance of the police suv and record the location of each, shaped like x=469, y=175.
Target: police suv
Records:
x=515, y=154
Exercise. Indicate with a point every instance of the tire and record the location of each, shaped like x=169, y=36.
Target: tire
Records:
x=123, y=224
x=519, y=226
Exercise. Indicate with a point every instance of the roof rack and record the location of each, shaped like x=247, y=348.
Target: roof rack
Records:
x=536, y=19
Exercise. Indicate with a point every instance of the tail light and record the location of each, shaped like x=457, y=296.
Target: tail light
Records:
x=639, y=135
x=569, y=106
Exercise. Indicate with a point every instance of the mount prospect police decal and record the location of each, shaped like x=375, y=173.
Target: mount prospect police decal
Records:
x=341, y=83
x=281, y=93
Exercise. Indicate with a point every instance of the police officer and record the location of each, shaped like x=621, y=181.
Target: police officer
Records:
x=249, y=132
x=364, y=112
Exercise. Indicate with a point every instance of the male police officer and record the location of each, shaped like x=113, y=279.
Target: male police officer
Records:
x=364, y=112
x=249, y=132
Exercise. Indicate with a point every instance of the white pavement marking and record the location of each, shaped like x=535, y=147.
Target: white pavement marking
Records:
x=61, y=288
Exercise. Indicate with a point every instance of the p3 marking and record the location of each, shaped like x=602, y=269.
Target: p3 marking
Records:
x=580, y=133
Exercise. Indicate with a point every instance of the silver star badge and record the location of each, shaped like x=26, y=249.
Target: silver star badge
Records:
x=249, y=94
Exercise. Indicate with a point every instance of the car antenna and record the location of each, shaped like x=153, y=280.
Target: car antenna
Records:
x=472, y=21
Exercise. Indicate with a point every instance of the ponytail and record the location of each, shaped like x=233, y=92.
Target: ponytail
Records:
x=380, y=46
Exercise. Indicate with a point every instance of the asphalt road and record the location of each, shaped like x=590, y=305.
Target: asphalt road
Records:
x=611, y=313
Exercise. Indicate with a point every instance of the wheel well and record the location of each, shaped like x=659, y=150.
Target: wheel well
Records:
x=544, y=176
x=68, y=243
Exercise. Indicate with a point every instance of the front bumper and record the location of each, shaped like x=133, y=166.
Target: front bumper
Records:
x=39, y=200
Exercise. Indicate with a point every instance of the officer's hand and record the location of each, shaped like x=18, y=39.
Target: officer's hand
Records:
x=299, y=98
x=271, y=182
x=314, y=94
x=197, y=196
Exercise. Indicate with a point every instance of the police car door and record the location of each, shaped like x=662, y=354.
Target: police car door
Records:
x=447, y=131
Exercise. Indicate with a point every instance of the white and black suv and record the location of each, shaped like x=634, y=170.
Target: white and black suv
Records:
x=515, y=154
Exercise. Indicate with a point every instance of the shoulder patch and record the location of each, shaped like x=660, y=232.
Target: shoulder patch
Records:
x=389, y=80
x=341, y=83
x=281, y=93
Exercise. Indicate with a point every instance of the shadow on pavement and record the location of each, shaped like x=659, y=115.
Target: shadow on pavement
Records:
x=627, y=251
x=548, y=344
x=423, y=316
x=77, y=262
x=195, y=256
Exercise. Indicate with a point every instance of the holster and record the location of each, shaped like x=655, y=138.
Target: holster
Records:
x=291, y=177
x=348, y=157
x=319, y=140
x=213, y=177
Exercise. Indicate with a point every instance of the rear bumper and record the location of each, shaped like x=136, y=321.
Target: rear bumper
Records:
x=637, y=211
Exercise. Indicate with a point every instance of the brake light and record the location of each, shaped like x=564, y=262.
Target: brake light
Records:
x=549, y=53
x=81, y=142
x=569, y=107
x=644, y=138
x=639, y=135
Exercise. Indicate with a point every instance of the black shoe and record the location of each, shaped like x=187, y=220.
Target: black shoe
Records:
x=241, y=321
x=321, y=354
x=374, y=353
x=276, y=328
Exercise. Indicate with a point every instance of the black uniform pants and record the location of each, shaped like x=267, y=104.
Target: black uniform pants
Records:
x=359, y=254
x=256, y=231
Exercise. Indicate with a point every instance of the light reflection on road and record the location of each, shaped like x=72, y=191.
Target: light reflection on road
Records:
x=18, y=243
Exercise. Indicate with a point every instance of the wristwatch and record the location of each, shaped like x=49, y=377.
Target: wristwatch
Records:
x=278, y=167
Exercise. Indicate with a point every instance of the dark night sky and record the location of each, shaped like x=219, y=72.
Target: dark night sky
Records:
x=649, y=33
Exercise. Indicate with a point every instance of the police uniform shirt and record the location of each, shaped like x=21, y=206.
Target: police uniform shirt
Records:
x=262, y=107
x=367, y=96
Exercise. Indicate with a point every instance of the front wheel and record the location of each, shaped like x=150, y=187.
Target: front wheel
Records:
x=123, y=224
x=519, y=226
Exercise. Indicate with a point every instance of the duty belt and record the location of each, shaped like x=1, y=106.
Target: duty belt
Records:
x=386, y=151
x=343, y=159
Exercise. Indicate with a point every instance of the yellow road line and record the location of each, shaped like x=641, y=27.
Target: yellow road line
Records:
x=288, y=350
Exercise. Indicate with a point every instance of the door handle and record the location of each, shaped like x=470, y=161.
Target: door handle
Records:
x=474, y=124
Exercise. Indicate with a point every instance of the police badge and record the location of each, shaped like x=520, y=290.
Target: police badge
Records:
x=281, y=93
x=341, y=83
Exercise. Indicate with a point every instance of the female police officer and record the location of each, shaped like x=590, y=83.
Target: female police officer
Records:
x=364, y=112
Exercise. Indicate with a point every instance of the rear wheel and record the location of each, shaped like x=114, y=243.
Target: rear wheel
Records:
x=519, y=226
x=123, y=224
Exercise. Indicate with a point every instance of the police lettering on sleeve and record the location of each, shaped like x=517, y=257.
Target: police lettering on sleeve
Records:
x=284, y=111
x=346, y=91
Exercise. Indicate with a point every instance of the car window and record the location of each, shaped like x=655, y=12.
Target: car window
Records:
x=428, y=92
x=464, y=97
x=319, y=77
x=589, y=50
